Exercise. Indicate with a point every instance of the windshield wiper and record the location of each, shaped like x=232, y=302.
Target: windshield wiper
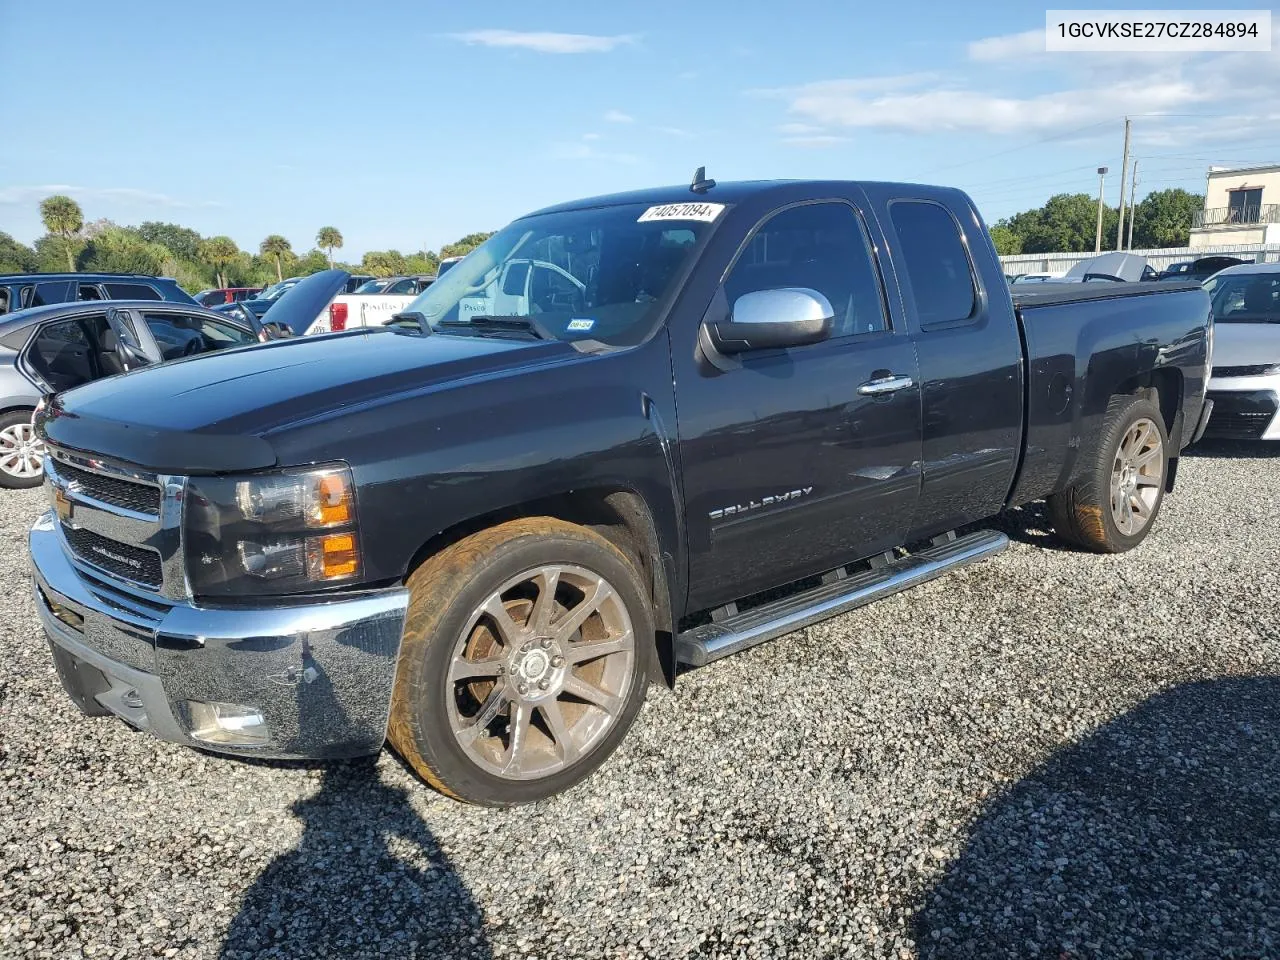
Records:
x=513, y=324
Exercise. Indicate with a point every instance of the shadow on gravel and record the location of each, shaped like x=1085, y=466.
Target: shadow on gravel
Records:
x=1234, y=449
x=344, y=893
x=1158, y=836
x=1027, y=524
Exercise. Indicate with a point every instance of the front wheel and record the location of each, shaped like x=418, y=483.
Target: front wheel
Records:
x=21, y=451
x=1112, y=508
x=525, y=661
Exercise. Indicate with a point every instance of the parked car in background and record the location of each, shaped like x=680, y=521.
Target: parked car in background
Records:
x=447, y=264
x=22, y=290
x=1115, y=266
x=372, y=305
x=1036, y=277
x=260, y=304
x=49, y=349
x=211, y=298
x=1198, y=270
x=1245, y=386
x=721, y=414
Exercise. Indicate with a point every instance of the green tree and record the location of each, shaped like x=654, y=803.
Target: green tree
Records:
x=220, y=253
x=62, y=216
x=1164, y=218
x=121, y=250
x=424, y=261
x=460, y=248
x=383, y=263
x=1007, y=242
x=182, y=242
x=275, y=247
x=15, y=257
x=313, y=261
x=330, y=239
x=1066, y=223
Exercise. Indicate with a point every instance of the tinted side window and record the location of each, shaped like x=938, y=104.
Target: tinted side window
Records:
x=182, y=335
x=936, y=263
x=51, y=291
x=64, y=354
x=824, y=247
x=88, y=292
x=4, y=300
x=131, y=291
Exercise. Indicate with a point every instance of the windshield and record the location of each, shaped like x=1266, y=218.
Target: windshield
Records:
x=600, y=274
x=1245, y=297
x=372, y=286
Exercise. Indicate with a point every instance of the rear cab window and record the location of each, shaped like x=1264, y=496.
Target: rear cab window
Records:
x=939, y=271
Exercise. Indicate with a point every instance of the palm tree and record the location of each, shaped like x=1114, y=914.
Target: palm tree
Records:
x=62, y=215
x=220, y=253
x=330, y=238
x=275, y=246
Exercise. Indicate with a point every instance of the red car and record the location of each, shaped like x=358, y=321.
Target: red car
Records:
x=211, y=298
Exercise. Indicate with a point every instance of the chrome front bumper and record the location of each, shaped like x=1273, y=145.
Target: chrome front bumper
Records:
x=319, y=675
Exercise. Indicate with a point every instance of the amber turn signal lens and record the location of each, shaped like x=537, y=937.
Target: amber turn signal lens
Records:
x=333, y=500
x=333, y=557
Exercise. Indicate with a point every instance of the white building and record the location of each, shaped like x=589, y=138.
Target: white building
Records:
x=1241, y=206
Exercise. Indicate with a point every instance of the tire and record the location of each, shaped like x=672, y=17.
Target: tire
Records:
x=20, y=451
x=1115, y=504
x=501, y=699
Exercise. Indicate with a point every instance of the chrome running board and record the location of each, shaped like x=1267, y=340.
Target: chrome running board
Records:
x=839, y=593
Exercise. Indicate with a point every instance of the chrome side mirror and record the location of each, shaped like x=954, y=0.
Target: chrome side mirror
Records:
x=771, y=319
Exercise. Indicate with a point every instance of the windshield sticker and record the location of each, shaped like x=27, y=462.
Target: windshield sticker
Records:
x=705, y=212
x=581, y=324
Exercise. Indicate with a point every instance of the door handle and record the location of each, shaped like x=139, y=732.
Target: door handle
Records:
x=883, y=386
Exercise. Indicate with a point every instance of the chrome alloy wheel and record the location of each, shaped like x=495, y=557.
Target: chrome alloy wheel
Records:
x=540, y=672
x=1137, y=477
x=21, y=451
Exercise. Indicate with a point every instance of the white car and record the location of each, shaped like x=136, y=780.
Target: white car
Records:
x=370, y=305
x=1245, y=384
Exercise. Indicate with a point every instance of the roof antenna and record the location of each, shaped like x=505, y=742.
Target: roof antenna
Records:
x=700, y=182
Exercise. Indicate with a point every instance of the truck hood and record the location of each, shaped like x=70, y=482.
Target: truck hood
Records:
x=1245, y=344
x=214, y=413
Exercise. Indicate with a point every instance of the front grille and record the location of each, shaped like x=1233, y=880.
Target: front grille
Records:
x=1256, y=370
x=1241, y=414
x=138, y=497
x=133, y=563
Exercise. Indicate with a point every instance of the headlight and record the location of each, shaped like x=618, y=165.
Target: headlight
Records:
x=271, y=533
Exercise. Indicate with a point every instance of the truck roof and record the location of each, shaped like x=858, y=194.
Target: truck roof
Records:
x=732, y=192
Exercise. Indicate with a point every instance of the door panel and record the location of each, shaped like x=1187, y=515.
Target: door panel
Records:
x=970, y=356
x=789, y=470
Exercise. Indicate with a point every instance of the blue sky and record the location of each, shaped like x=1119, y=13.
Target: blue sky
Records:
x=409, y=124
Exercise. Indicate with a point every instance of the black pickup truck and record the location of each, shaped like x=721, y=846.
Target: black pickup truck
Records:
x=625, y=434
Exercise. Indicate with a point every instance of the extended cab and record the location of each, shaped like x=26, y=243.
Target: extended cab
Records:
x=703, y=418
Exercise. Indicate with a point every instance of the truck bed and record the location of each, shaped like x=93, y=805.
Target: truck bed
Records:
x=1050, y=294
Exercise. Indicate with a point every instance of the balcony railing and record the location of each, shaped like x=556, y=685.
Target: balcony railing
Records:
x=1230, y=216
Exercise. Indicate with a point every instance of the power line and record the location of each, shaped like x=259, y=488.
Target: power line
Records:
x=1025, y=146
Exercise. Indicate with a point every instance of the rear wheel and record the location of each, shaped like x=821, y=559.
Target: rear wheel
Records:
x=21, y=451
x=1114, y=506
x=524, y=663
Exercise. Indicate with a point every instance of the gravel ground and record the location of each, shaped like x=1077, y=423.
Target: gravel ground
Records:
x=1050, y=754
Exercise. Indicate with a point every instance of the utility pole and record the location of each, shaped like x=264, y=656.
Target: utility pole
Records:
x=1124, y=168
x=1133, y=190
x=1102, y=179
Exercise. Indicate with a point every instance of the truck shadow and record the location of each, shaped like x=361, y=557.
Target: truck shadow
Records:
x=1234, y=449
x=356, y=885
x=1159, y=835
x=1026, y=524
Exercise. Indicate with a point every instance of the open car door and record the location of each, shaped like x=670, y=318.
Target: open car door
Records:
x=122, y=348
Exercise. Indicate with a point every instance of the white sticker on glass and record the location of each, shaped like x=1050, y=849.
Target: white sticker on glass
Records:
x=705, y=212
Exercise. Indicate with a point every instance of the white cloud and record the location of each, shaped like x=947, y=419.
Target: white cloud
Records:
x=798, y=129
x=1008, y=47
x=541, y=42
x=126, y=195
x=617, y=116
x=591, y=136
